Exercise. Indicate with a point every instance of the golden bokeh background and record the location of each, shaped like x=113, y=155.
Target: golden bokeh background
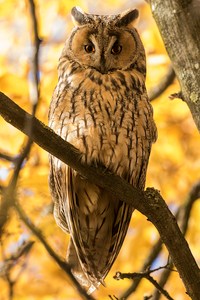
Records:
x=173, y=168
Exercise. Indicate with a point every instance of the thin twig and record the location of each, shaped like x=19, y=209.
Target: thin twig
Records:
x=6, y=156
x=35, y=59
x=164, y=83
x=158, y=287
x=164, y=277
x=8, y=199
x=63, y=265
x=185, y=210
x=9, y=263
x=5, y=273
x=146, y=275
x=113, y=297
x=154, y=252
x=8, y=193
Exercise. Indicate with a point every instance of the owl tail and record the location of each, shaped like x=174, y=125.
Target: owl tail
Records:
x=77, y=271
x=98, y=223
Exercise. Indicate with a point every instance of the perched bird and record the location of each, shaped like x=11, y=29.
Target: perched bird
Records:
x=100, y=106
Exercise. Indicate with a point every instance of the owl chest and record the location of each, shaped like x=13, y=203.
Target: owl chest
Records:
x=101, y=126
x=99, y=115
x=107, y=128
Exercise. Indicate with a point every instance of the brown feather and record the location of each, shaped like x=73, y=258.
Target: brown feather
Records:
x=100, y=105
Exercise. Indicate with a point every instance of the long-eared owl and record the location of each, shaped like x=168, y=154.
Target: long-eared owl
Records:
x=100, y=105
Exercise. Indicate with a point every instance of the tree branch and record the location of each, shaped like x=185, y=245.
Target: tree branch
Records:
x=9, y=263
x=145, y=274
x=35, y=60
x=6, y=156
x=183, y=215
x=9, y=192
x=63, y=265
x=149, y=203
x=154, y=252
x=164, y=83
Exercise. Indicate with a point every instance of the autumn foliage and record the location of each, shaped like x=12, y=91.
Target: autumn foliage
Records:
x=27, y=271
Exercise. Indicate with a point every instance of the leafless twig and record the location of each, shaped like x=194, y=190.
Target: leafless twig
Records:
x=154, y=252
x=8, y=193
x=8, y=196
x=164, y=83
x=145, y=274
x=6, y=156
x=10, y=262
x=35, y=59
x=63, y=265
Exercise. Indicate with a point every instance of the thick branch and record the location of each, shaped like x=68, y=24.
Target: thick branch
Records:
x=149, y=203
x=183, y=215
x=179, y=25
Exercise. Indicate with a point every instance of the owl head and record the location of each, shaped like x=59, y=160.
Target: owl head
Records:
x=105, y=43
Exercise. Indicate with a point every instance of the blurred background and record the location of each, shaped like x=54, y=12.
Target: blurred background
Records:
x=173, y=168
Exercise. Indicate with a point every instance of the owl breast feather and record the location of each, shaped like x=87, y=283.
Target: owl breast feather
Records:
x=106, y=118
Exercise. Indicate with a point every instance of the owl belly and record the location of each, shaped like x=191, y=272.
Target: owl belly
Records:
x=106, y=142
x=106, y=124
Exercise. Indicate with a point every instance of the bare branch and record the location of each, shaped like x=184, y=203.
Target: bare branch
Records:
x=35, y=60
x=8, y=198
x=145, y=274
x=9, y=263
x=63, y=265
x=185, y=209
x=183, y=215
x=164, y=83
x=149, y=203
x=154, y=252
x=6, y=156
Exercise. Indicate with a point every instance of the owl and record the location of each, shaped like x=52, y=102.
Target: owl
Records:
x=100, y=106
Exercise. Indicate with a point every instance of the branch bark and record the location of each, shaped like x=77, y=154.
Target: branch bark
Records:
x=149, y=203
x=179, y=24
x=183, y=216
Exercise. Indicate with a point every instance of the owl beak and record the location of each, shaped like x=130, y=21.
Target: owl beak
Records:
x=102, y=65
x=103, y=69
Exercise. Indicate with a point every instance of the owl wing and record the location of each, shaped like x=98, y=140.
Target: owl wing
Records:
x=98, y=224
x=57, y=177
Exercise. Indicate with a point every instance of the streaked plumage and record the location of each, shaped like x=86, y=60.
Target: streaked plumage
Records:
x=99, y=105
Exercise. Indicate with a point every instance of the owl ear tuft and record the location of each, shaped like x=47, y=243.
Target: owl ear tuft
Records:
x=128, y=18
x=78, y=16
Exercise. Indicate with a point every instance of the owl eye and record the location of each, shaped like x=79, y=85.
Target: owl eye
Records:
x=89, y=48
x=116, y=49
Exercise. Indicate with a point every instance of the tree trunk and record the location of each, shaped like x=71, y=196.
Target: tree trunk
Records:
x=179, y=25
